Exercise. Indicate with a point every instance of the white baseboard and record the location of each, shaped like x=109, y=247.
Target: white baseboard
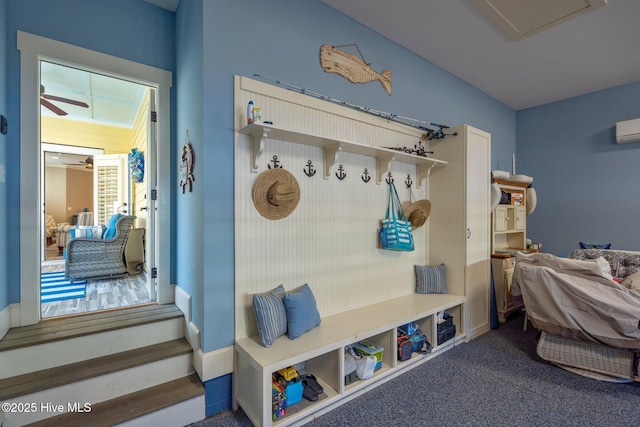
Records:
x=208, y=365
x=183, y=302
x=5, y=320
x=213, y=364
x=479, y=330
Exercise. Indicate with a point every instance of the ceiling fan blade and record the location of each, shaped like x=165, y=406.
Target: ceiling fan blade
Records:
x=68, y=101
x=50, y=106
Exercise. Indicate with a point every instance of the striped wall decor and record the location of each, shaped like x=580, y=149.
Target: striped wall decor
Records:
x=54, y=287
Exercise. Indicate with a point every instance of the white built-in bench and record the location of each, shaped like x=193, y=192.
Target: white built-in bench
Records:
x=322, y=351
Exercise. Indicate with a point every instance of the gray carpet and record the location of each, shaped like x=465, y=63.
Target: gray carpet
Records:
x=494, y=380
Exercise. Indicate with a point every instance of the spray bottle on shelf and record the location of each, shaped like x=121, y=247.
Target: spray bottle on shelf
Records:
x=250, y=113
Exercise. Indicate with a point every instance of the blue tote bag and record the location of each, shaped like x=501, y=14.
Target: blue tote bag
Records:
x=395, y=230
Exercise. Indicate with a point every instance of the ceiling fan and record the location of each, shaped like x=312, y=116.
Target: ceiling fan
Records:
x=88, y=163
x=44, y=101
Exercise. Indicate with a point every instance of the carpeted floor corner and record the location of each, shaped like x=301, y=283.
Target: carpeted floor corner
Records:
x=495, y=380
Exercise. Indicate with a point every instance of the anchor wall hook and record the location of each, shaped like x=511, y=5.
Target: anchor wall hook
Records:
x=408, y=181
x=341, y=174
x=309, y=171
x=275, y=162
x=389, y=178
x=365, y=175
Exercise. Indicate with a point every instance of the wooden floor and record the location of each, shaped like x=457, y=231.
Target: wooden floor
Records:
x=100, y=295
x=75, y=326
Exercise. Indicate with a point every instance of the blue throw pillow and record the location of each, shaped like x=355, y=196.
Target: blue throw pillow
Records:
x=595, y=245
x=302, y=312
x=270, y=315
x=111, y=230
x=430, y=279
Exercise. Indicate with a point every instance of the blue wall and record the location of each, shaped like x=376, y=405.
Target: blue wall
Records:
x=4, y=283
x=189, y=218
x=130, y=29
x=587, y=185
x=282, y=41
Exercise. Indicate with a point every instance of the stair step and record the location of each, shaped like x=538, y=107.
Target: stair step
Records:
x=77, y=326
x=131, y=406
x=54, y=377
x=59, y=342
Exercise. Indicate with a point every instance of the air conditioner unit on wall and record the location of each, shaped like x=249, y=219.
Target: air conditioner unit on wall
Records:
x=628, y=131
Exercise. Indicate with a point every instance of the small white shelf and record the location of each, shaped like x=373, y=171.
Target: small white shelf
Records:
x=259, y=133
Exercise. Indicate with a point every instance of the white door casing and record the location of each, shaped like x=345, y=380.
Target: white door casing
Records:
x=33, y=49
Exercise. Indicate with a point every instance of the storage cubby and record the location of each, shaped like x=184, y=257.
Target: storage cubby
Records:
x=325, y=369
x=457, y=314
x=386, y=340
x=322, y=351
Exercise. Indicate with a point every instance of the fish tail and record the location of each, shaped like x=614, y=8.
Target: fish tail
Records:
x=385, y=80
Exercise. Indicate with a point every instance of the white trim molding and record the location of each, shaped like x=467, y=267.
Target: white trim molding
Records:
x=208, y=365
x=213, y=364
x=7, y=320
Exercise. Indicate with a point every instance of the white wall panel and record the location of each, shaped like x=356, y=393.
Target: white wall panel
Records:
x=330, y=240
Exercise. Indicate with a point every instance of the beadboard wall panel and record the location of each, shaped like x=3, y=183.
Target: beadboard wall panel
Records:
x=330, y=240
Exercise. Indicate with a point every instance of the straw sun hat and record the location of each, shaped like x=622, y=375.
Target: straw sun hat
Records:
x=276, y=193
x=417, y=212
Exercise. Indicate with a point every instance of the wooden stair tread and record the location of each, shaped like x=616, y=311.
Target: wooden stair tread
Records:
x=131, y=406
x=49, y=378
x=65, y=328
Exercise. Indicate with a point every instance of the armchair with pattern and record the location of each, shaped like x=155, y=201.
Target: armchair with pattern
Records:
x=62, y=230
x=91, y=258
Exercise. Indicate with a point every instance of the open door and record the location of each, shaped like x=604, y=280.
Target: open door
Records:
x=151, y=210
x=111, y=186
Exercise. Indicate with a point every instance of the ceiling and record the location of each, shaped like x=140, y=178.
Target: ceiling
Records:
x=67, y=160
x=110, y=101
x=589, y=52
x=592, y=51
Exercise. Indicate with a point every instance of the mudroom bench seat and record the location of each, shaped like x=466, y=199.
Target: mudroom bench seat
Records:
x=322, y=352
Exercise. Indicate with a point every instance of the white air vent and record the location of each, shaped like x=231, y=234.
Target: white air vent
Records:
x=522, y=18
x=628, y=131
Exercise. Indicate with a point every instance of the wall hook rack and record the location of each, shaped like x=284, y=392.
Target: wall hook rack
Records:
x=341, y=174
x=408, y=181
x=275, y=162
x=309, y=171
x=365, y=175
x=389, y=178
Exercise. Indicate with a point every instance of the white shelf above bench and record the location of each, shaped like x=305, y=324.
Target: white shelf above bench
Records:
x=259, y=133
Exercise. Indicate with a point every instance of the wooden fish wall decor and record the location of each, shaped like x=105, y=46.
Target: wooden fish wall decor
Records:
x=351, y=67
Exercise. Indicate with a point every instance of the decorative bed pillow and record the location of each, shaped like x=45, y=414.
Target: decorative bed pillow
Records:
x=270, y=315
x=430, y=279
x=302, y=312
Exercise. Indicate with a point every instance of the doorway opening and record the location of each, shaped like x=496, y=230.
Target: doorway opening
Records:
x=94, y=133
x=34, y=49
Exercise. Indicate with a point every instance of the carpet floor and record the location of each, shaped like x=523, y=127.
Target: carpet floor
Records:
x=494, y=380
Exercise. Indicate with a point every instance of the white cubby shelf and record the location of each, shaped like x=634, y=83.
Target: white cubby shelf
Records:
x=260, y=132
x=322, y=351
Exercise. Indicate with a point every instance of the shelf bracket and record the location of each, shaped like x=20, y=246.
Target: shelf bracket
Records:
x=423, y=171
x=257, y=147
x=383, y=163
x=330, y=158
